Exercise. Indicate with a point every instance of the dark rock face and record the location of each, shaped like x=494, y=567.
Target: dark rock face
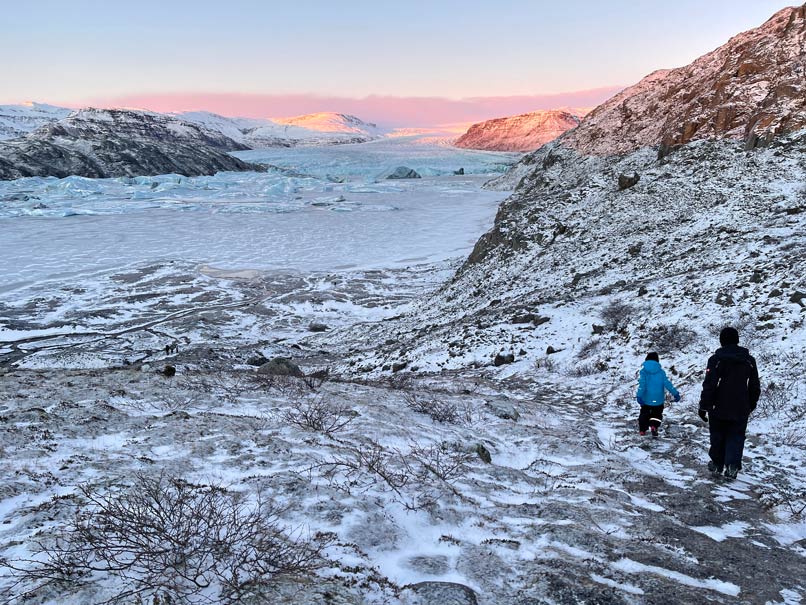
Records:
x=402, y=172
x=280, y=366
x=98, y=143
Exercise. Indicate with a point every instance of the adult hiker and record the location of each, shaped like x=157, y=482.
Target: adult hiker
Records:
x=729, y=393
x=651, y=395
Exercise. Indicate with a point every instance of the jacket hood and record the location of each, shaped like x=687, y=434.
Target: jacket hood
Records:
x=652, y=367
x=734, y=352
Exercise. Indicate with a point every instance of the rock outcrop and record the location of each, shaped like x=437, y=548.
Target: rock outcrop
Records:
x=525, y=132
x=752, y=88
x=100, y=143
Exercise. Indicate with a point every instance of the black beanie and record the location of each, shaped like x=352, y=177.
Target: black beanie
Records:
x=652, y=357
x=729, y=336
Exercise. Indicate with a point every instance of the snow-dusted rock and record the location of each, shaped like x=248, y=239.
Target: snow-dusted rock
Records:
x=115, y=142
x=525, y=132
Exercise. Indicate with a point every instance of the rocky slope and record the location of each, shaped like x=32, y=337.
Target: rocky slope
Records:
x=100, y=143
x=19, y=120
x=752, y=88
x=525, y=132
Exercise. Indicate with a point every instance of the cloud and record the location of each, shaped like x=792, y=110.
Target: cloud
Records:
x=388, y=111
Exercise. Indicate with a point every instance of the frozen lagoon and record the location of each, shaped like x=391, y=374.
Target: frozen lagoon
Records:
x=294, y=217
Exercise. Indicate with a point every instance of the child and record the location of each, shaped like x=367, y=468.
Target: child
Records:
x=652, y=384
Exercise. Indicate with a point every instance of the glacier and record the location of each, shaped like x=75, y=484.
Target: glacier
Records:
x=316, y=209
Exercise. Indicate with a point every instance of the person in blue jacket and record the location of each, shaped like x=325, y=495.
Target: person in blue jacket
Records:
x=651, y=395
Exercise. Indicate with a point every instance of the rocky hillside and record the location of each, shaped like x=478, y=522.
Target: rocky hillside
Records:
x=19, y=120
x=525, y=132
x=752, y=89
x=100, y=143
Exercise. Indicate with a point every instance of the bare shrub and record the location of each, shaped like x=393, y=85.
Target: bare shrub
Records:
x=318, y=414
x=438, y=410
x=315, y=380
x=170, y=541
x=616, y=315
x=672, y=338
x=546, y=363
x=589, y=348
x=586, y=369
x=418, y=477
x=779, y=492
x=227, y=385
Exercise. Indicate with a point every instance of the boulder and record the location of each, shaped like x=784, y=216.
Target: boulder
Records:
x=503, y=358
x=459, y=172
x=169, y=371
x=402, y=172
x=317, y=327
x=280, y=366
x=257, y=360
x=443, y=593
x=627, y=181
x=483, y=453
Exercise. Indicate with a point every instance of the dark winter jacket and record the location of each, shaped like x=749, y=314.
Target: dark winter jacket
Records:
x=731, y=388
x=652, y=384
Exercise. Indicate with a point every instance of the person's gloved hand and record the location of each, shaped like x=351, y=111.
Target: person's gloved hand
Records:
x=704, y=415
x=677, y=398
x=640, y=401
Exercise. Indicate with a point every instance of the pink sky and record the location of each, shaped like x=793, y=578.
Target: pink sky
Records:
x=388, y=111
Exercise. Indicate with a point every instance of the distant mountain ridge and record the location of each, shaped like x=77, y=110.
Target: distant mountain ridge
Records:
x=323, y=128
x=525, y=132
x=99, y=143
x=751, y=88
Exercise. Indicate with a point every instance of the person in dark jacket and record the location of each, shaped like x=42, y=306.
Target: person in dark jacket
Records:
x=730, y=393
x=651, y=395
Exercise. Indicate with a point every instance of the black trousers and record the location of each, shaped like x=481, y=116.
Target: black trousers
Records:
x=651, y=415
x=727, y=441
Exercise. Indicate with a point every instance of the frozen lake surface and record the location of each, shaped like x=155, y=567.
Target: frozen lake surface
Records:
x=316, y=209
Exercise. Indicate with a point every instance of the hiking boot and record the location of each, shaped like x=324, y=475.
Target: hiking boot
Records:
x=717, y=470
x=731, y=471
x=642, y=433
x=654, y=432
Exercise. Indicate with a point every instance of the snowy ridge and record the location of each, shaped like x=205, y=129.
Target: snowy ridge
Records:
x=525, y=132
x=752, y=88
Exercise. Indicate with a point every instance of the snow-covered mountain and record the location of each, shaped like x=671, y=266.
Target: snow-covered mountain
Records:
x=525, y=132
x=324, y=128
x=117, y=142
x=752, y=88
x=19, y=120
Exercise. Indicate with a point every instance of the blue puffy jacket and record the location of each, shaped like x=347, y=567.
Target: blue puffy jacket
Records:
x=651, y=384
